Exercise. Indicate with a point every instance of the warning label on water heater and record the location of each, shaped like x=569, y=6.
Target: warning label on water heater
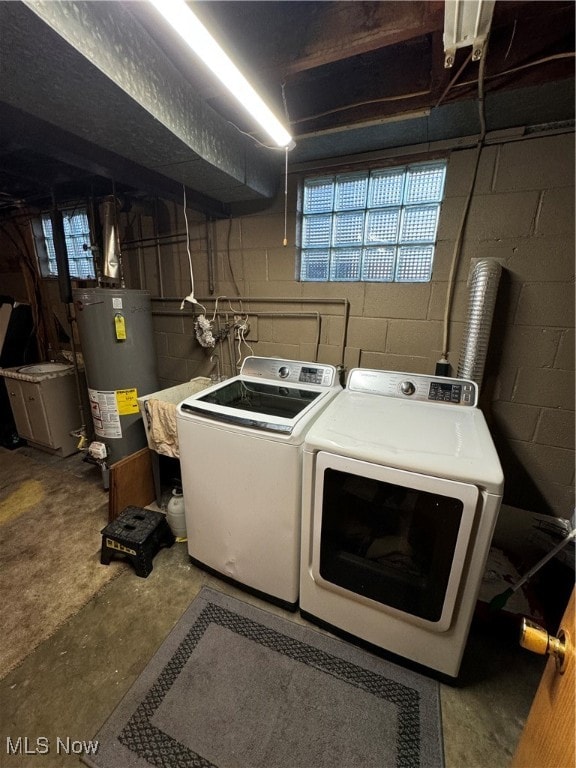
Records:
x=106, y=408
x=105, y=415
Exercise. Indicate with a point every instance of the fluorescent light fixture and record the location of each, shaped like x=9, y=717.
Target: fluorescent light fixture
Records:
x=179, y=15
x=466, y=22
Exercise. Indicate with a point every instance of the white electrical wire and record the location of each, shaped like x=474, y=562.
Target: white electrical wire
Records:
x=243, y=336
x=236, y=311
x=232, y=309
x=215, y=308
x=285, y=241
x=456, y=253
x=239, y=360
x=191, y=298
x=242, y=340
x=188, y=241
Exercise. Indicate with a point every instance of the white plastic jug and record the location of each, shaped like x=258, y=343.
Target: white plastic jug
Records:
x=175, y=514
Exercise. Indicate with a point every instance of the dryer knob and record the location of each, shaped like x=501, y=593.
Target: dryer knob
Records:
x=283, y=372
x=407, y=388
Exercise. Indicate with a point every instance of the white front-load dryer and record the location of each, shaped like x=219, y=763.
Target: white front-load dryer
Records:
x=401, y=491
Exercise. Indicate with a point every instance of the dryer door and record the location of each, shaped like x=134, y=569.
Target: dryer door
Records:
x=398, y=540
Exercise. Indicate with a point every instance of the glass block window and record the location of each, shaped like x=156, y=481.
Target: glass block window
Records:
x=77, y=236
x=378, y=225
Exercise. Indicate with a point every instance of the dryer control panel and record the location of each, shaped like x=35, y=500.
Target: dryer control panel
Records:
x=414, y=386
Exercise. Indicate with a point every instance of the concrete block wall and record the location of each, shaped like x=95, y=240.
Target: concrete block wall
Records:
x=522, y=215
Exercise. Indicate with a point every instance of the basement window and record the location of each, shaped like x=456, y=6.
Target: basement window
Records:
x=374, y=226
x=77, y=237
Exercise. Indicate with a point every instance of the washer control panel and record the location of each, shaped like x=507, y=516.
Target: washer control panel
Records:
x=290, y=371
x=414, y=386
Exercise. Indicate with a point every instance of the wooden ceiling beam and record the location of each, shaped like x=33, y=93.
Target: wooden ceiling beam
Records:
x=341, y=30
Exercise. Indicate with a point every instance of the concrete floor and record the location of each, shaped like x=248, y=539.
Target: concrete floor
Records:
x=69, y=686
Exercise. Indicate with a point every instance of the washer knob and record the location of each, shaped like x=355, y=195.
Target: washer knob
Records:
x=283, y=372
x=407, y=388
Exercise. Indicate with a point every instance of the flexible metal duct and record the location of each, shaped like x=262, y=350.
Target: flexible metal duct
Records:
x=112, y=266
x=484, y=282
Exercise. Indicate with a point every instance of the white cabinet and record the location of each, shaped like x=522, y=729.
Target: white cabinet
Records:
x=29, y=411
x=46, y=411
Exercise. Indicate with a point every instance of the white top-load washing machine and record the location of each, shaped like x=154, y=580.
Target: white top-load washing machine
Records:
x=401, y=490
x=241, y=461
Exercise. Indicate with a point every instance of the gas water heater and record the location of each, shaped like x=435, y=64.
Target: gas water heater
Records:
x=116, y=336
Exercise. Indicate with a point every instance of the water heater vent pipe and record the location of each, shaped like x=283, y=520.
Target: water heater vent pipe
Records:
x=484, y=282
x=112, y=267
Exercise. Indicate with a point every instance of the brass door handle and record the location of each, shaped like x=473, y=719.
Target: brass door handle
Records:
x=535, y=638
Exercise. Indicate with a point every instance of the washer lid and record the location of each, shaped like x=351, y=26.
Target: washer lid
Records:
x=279, y=398
x=428, y=438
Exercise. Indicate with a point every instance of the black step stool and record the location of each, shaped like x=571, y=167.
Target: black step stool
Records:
x=137, y=534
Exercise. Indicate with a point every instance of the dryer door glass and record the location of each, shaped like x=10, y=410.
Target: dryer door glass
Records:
x=395, y=542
